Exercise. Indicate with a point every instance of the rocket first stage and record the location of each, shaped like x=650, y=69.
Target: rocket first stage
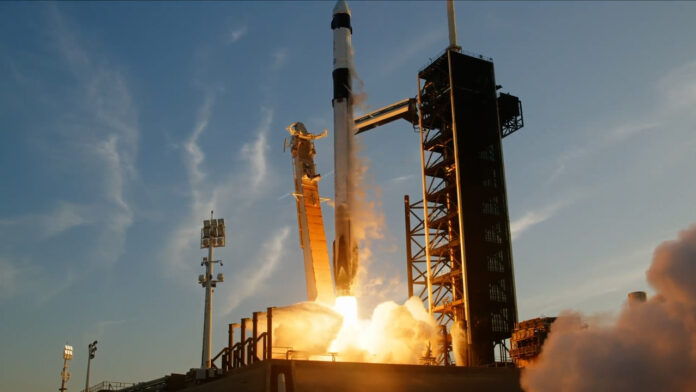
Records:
x=345, y=244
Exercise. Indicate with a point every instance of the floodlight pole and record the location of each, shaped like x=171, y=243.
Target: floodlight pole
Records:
x=92, y=350
x=207, y=321
x=212, y=235
x=65, y=376
x=87, y=380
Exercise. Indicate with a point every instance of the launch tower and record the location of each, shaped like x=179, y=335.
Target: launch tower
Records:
x=459, y=252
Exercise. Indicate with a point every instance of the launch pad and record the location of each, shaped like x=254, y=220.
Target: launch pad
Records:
x=458, y=248
x=278, y=375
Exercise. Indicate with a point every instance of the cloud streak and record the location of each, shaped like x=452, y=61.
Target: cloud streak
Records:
x=533, y=218
x=278, y=58
x=96, y=124
x=236, y=34
x=9, y=274
x=206, y=195
x=114, y=144
x=194, y=155
x=250, y=281
x=676, y=97
x=400, y=179
x=255, y=152
x=411, y=48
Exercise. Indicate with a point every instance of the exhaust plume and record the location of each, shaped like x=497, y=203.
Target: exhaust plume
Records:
x=309, y=327
x=395, y=333
x=651, y=347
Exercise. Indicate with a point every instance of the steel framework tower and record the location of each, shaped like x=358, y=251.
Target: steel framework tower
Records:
x=458, y=237
x=310, y=221
x=212, y=236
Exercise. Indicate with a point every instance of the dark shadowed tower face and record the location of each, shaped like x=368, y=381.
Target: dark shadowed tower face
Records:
x=467, y=217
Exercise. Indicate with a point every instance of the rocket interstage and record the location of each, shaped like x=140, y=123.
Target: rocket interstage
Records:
x=345, y=244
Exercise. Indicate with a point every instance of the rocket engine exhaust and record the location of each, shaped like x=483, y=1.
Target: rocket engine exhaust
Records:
x=345, y=244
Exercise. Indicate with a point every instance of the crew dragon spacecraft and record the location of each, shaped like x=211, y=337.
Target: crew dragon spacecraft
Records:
x=345, y=244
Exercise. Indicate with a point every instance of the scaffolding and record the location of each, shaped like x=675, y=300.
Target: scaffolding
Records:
x=528, y=338
x=458, y=241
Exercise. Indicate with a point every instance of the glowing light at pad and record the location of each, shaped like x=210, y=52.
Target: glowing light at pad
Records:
x=353, y=334
x=348, y=308
x=393, y=334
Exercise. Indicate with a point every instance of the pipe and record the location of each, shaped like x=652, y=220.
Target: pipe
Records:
x=243, y=336
x=269, y=333
x=452, y=25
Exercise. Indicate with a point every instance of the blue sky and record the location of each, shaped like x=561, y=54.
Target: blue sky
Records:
x=123, y=124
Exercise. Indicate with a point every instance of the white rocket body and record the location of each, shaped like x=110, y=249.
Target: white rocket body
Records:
x=345, y=244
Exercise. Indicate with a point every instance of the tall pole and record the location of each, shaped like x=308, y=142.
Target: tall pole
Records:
x=65, y=369
x=92, y=350
x=207, y=318
x=452, y=26
x=212, y=235
x=64, y=375
x=87, y=379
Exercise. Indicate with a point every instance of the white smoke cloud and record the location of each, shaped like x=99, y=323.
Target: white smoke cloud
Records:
x=651, y=347
x=367, y=216
x=309, y=327
x=394, y=334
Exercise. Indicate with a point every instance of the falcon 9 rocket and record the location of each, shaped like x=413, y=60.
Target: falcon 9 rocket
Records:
x=345, y=244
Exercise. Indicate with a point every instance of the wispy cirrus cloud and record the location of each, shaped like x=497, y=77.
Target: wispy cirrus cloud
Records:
x=534, y=217
x=112, y=145
x=617, y=275
x=278, y=58
x=235, y=34
x=63, y=217
x=235, y=195
x=673, y=114
x=94, y=137
x=9, y=278
x=405, y=178
x=206, y=195
x=255, y=153
x=412, y=48
x=249, y=282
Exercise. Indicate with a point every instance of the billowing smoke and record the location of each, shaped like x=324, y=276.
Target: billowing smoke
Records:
x=307, y=327
x=395, y=334
x=367, y=216
x=368, y=222
x=651, y=347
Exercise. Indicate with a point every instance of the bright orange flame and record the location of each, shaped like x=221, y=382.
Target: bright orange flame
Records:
x=394, y=334
x=348, y=308
x=352, y=334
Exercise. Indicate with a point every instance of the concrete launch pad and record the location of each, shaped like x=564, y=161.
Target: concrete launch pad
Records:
x=311, y=376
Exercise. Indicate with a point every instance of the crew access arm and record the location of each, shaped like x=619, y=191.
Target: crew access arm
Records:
x=309, y=218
